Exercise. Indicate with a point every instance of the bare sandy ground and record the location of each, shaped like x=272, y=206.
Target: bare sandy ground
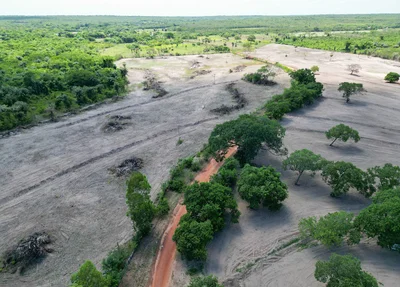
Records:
x=55, y=177
x=239, y=254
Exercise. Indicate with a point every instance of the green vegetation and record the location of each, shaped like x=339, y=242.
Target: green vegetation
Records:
x=342, y=176
x=228, y=173
x=329, y=230
x=381, y=43
x=264, y=76
x=343, y=133
x=249, y=133
x=304, y=90
x=88, y=276
x=141, y=209
x=392, y=77
x=304, y=160
x=262, y=186
x=314, y=69
x=204, y=281
x=343, y=271
x=380, y=220
x=388, y=176
x=350, y=89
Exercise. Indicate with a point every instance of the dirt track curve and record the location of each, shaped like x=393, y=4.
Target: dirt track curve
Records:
x=166, y=254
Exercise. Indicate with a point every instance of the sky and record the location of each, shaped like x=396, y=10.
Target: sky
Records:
x=196, y=8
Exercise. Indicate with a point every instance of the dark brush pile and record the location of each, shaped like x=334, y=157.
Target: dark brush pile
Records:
x=28, y=251
x=127, y=167
x=240, y=100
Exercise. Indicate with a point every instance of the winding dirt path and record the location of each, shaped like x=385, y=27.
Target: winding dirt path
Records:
x=166, y=255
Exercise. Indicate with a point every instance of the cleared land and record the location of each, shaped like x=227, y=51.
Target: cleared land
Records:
x=55, y=177
x=239, y=254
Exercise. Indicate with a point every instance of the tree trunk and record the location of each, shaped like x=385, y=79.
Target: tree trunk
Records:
x=333, y=142
x=298, y=178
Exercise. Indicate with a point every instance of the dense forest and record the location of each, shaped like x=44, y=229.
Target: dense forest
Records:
x=52, y=65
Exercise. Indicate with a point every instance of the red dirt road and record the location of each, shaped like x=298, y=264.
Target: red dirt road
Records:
x=166, y=254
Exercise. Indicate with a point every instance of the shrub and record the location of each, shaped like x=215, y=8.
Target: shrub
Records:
x=89, y=276
x=392, y=77
x=204, y=281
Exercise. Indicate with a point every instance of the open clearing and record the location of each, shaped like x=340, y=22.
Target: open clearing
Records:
x=55, y=177
x=239, y=254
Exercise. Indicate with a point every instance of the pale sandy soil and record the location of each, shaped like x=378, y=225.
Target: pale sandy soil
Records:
x=55, y=177
x=376, y=115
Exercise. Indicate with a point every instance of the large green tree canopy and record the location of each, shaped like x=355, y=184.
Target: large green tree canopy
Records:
x=249, y=133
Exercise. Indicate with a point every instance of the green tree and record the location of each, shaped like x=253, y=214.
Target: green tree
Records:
x=141, y=209
x=247, y=46
x=382, y=219
x=330, y=229
x=249, y=133
x=304, y=160
x=350, y=89
x=342, y=176
x=343, y=271
x=192, y=237
x=303, y=76
x=343, y=133
x=89, y=276
x=228, y=173
x=208, y=202
x=314, y=69
x=392, y=77
x=204, y=281
x=388, y=175
x=262, y=186
x=251, y=38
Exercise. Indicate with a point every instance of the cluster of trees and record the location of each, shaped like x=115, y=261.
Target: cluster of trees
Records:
x=384, y=44
x=264, y=76
x=42, y=73
x=380, y=220
x=206, y=205
x=342, y=176
x=304, y=90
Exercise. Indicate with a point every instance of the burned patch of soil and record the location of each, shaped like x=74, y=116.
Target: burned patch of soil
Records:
x=240, y=100
x=151, y=83
x=126, y=167
x=27, y=251
x=200, y=73
x=116, y=123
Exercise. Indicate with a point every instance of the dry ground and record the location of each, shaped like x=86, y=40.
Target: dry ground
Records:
x=55, y=177
x=239, y=254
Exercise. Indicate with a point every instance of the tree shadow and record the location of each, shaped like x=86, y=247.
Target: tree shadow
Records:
x=345, y=150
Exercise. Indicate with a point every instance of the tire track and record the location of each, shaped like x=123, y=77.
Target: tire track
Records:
x=142, y=104
x=99, y=157
x=323, y=132
x=346, y=121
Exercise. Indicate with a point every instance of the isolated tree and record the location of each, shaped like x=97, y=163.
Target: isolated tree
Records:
x=382, y=219
x=141, y=209
x=208, y=202
x=262, y=186
x=251, y=38
x=304, y=160
x=353, y=68
x=314, y=69
x=88, y=276
x=204, y=281
x=303, y=76
x=330, y=229
x=343, y=133
x=343, y=271
x=192, y=237
x=350, y=89
x=342, y=176
x=249, y=133
x=388, y=175
x=392, y=77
